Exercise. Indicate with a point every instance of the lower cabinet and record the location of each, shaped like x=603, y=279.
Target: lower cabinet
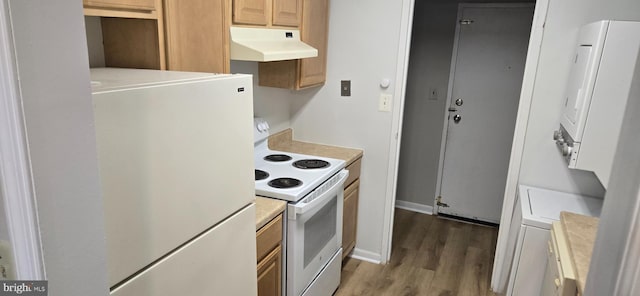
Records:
x=559, y=277
x=350, y=218
x=270, y=274
x=350, y=208
x=269, y=254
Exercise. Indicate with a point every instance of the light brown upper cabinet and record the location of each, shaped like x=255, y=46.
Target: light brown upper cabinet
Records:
x=197, y=35
x=303, y=73
x=133, y=43
x=286, y=13
x=315, y=29
x=132, y=32
x=121, y=4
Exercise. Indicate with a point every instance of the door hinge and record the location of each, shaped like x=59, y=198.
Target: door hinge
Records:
x=440, y=203
x=466, y=22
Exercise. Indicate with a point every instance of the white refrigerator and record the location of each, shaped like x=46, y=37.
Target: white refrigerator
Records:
x=176, y=165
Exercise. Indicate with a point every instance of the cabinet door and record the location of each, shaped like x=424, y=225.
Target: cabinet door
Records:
x=251, y=12
x=197, y=35
x=269, y=274
x=314, y=31
x=350, y=218
x=122, y=4
x=287, y=12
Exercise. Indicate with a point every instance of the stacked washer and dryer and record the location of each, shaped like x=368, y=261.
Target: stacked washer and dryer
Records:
x=595, y=98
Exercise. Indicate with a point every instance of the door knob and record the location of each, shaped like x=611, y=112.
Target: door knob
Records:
x=457, y=118
x=459, y=102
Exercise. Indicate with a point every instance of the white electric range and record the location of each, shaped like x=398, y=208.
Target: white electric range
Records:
x=313, y=188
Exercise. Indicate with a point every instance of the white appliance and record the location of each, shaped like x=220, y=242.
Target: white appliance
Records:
x=175, y=159
x=535, y=210
x=268, y=44
x=313, y=188
x=596, y=95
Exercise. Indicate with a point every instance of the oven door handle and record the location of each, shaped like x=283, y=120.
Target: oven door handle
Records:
x=316, y=201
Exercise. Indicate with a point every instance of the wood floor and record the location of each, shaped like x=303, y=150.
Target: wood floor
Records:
x=430, y=256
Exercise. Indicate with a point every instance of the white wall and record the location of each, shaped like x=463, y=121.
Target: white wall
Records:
x=53, y=68
x=434, y=26
x=620, y=210
x=272, y=104
x=363, y=48
x=93, y=27
x=542, y=165
x=4, y=233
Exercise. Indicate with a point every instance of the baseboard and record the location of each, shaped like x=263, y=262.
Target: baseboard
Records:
x=414, y=207
x=366, y=256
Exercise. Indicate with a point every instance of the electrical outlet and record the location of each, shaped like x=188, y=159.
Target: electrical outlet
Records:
x=6, y=262
x=385, y=103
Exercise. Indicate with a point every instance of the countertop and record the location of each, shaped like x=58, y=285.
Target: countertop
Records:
x=283, y=141
x=267, y=209
x=581, y=235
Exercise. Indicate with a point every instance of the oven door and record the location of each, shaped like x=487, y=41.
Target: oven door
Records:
x=314, y=233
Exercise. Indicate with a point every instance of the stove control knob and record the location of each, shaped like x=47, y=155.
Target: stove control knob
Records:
x=263, y=127
x=566, y=149
x=557, y=135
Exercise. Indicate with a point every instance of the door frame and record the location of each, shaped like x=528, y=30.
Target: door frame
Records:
x=452, y=69
x=15, y=169
x=402, y=70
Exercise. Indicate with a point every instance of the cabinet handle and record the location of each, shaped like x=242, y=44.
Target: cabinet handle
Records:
x=557, y=282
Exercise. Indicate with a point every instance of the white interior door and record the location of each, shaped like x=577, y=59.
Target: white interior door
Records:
x=484, y=90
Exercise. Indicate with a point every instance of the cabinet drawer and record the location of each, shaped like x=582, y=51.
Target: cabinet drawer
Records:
x=268, y=237
x=354, y=172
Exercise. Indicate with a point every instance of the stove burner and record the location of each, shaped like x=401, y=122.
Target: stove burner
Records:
x=285, y=183
x=261, y=175
x=277, y=157
x=311, y=164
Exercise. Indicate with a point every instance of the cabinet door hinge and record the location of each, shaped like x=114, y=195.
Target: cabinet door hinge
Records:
x=440, y=203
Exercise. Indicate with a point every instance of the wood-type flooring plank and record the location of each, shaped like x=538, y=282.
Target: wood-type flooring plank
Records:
x=430, y=256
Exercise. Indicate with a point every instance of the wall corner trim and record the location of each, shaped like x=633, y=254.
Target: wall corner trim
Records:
x=364, y=255
x=414, y=207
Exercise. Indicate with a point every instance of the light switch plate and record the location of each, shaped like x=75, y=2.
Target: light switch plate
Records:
x=385, y=102
x=345, y=88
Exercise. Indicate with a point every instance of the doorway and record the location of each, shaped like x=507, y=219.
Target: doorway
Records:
x=426, y=102
x=487, y=66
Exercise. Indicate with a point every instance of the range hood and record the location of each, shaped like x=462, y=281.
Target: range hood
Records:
x=266, y=45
